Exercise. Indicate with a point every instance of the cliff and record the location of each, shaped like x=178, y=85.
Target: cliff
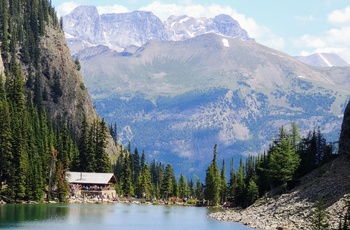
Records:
x=71, y=101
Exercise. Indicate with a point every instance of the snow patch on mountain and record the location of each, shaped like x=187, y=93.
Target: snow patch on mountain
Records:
x=225, y=42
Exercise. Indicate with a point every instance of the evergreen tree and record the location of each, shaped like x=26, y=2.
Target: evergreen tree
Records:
x=167, y=185
x=6, y=156
x=240, y=188
x=198, y=189
x=213, y=182
x=232, y=181
x=252, y=192
x=126, y=177
x=283, y=163
x=103, y=163
x=223, y=187
x=137, y=166
x=144, y=183
x=319, y=220
x=183, y=192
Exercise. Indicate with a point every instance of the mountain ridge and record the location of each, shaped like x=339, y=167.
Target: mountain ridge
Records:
x=323, y=60
x=188, y=95
x=84, y=27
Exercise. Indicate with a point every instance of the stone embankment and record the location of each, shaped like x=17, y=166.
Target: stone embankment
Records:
x=294, y=210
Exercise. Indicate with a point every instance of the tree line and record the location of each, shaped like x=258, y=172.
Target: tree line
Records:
x=288, y=158
x=137, y=177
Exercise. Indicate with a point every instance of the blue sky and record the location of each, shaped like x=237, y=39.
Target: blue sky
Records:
x=297, y=27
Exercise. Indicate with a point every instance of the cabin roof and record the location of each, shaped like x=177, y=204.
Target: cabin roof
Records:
x=90, y=178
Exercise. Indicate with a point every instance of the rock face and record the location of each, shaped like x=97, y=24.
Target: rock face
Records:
x=344, y=141
x=184, y=27
x=66, y=96
x=84, y=28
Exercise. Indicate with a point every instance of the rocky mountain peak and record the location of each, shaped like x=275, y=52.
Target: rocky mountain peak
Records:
x=84, y=28
x=224, y=18
x=185, y=27
x=85, y=12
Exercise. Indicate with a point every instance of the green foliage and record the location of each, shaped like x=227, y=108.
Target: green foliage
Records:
x=283, y=163
x=213, y=182
x=319, y=219
x=167, y=186
x=252, y=192
x=126, y=176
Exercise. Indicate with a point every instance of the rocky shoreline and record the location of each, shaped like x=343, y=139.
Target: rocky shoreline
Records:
x=270, y=215
x=295, y=209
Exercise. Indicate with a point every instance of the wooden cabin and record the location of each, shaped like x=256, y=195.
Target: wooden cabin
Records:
x=92, y=184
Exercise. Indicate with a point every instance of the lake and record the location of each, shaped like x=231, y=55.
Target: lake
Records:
x=109, y=216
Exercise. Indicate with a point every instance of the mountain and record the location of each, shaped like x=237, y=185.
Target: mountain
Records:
x=48, y=123
x=84, y=27
x=184, y=27
x=323, y=60
x=176, y=100
x=64, y=94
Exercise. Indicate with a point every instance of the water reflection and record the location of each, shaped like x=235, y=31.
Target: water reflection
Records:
x=16, y=214
x=103, y=216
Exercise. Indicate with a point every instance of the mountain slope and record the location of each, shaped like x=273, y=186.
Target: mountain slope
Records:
x=74, y=101
x=177, y=99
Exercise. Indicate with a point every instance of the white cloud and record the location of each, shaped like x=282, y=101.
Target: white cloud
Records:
x=112, y=9
x=340, y=17
x=66, y=8
x=335, y=40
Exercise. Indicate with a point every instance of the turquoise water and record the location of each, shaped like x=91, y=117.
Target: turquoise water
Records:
x=104, y=216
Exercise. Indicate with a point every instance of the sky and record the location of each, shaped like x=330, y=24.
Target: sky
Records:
x=296, y=27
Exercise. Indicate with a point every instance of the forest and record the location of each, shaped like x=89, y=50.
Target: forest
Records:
x=36, y=151
x=288, y=158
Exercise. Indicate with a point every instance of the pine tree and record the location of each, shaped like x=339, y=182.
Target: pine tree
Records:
x=213, y=182
x=103, y=163
x=126, y=177
x=198, y=189
x=167, y=186
x=240, y=188
x=283, y=163
x=252, y=192
x=183, y=186
x=144, y=183
x=6, y=156
x=319, y=220
x=15, y=89
x=223, y=187
x=232, y=181
x=137, y=166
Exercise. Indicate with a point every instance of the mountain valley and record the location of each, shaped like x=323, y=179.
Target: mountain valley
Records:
x=176, y=99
